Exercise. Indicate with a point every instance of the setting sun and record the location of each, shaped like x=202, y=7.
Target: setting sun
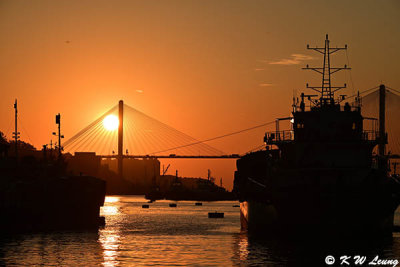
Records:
x=111, y=122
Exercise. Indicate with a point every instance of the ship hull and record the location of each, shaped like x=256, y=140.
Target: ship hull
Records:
x=51, y=204
x=261, y=217
x=315, y=201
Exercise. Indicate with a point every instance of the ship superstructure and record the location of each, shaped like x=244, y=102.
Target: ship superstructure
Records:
x=320, y=173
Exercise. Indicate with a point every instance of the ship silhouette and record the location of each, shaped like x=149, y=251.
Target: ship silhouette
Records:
x=320, y=175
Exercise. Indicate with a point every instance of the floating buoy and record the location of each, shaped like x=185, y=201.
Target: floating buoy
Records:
x=215, y=215
x=172, y=205
x=198, y=204
x=145, y=206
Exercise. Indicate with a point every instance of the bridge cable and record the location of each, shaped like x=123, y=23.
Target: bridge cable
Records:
x=143, y=134
x=397, y=91
x=174, y=134
x=256, y=148
x=363, y=92
x=218, y=137
x=77, y=142
x=89, y=126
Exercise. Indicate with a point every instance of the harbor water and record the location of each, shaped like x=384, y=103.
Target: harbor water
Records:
x=176, y=236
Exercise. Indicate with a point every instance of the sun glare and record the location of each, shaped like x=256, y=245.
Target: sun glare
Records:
x=111, y=122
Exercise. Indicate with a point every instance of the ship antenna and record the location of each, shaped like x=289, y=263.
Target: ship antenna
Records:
x=326, y=90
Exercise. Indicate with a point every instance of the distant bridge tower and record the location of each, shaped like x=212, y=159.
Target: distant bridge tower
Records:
x=120, y=137
x=382, y=162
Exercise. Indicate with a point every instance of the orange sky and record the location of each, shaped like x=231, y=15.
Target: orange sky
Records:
x=203, y=67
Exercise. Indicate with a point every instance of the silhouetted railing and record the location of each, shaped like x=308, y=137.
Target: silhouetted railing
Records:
x=288, y=136
x=279, y=136
x=370, y=135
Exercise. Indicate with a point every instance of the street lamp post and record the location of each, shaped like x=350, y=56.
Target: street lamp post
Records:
x=58, y=121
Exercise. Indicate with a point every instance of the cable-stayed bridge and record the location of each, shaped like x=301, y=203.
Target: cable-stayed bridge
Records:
x=125, y=132
x=142, y=136
x=370, y=108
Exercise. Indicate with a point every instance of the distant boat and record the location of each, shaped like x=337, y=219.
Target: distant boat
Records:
x=172, y=205
x=145, y=206
x=198, y=204
x=216, y=215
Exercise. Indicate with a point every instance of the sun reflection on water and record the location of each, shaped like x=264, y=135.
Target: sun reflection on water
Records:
x=243, y=247
x=158, y=236
x=110, y=240
x=111, y=199
x=109, y=210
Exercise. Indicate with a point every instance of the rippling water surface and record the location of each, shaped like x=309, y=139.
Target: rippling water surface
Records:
x=166, y=236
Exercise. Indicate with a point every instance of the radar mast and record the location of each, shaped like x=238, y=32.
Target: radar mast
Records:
x=326, y=90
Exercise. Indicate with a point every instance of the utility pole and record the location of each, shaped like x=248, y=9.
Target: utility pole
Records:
x=58, y=121
x=16, y=133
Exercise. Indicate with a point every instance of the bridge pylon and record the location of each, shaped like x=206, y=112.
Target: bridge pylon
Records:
x=120, y=137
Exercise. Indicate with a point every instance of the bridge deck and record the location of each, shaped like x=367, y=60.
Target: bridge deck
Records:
x=232, y=156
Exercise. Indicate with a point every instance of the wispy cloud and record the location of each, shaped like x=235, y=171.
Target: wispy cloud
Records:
x=139, y=91
x=294, y=59
x=265, y=84
x=259, y=69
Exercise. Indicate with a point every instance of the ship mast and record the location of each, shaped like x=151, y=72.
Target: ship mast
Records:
x=326, y=90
